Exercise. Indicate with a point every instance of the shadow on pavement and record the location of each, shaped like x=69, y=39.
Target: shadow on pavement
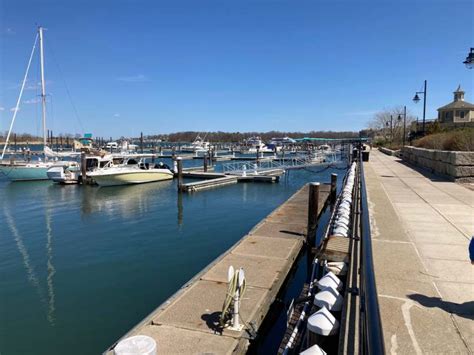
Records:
x=465, y=310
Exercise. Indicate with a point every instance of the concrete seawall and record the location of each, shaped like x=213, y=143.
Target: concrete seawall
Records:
x=453, y=165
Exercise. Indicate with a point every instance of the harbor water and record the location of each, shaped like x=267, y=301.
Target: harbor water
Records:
x=81, y=265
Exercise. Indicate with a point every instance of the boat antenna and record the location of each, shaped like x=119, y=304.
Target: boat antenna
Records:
x=43, y=88
x=19, y=98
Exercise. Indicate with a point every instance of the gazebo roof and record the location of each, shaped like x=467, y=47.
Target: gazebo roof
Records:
x=457, y=105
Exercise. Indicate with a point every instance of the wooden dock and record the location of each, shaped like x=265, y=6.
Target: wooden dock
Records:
x=187, y=323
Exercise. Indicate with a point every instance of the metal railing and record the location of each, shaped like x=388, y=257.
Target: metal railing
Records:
x=251, y=167
x=371, y=340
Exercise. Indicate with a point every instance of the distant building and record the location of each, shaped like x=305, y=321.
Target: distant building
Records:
x=458, y=111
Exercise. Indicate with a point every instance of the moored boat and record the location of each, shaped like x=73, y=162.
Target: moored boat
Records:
x=133, y=171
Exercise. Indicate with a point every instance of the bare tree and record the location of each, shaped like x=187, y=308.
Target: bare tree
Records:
x=389, y=124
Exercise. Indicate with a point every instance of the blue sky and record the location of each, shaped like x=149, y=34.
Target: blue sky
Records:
x=160, y=67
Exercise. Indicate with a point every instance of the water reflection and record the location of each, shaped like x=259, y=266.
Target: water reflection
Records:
x=180, y=210
x=50, y=267
x=30, y=270
x=124, y=201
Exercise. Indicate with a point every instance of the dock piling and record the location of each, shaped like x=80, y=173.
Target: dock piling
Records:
x=83, y=167
x=313, y=208
x=205, y=163
x=180, y=173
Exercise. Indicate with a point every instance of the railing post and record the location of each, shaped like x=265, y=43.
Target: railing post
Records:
x=313, y=206
x=333, y=188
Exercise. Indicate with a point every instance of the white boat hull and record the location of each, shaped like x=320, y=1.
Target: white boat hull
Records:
x=130, y=177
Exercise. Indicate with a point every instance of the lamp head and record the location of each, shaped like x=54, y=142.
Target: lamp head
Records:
x=416, y=99
x=469, y=62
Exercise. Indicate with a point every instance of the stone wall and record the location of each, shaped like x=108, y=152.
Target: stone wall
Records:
x=454, y=165
x=387, y=151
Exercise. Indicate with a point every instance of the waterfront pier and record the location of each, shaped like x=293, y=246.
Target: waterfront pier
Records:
x=421, y=227
x=188, y=322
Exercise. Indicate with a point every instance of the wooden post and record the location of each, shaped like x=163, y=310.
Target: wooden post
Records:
x=313, y=207
x=141, y=142
x=258, y=153
x=83, y=168
x=15, y=142
x=180, y=173
x=333, y=188
x=205, y=163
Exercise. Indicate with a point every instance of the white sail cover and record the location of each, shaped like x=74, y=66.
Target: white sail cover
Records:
x=52, y=154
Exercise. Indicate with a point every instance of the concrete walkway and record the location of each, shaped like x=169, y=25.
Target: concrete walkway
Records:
x=421, y=228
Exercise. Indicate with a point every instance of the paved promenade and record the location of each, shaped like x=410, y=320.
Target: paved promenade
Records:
x=421, y=228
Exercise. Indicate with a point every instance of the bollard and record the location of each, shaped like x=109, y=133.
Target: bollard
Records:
x=205, y=163
x=313, y=202
x=83, y=168
x=333, y=188
x=180, y=173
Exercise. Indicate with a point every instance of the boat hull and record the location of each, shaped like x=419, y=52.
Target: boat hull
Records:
x=25, y=172
x=127, y=178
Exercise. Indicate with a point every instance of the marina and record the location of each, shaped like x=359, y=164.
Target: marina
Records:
x=266, y=254
x=136, y=218
x=236, y=178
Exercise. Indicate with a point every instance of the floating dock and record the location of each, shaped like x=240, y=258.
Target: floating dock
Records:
x=212, y=180
x=187, y=323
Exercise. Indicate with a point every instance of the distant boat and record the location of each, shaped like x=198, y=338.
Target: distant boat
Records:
x=255, y=144
x=133, y=171
x=198, y=145
x=32, y=170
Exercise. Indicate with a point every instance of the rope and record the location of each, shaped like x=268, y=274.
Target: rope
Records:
x=231, y=290
x=50, y=48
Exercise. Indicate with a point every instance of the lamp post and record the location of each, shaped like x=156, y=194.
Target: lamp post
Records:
x=469, y=62
x=391, y=129
x=404, y=123
x=416, y=99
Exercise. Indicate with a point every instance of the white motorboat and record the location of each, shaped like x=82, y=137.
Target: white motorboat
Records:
x=255, y=144
x=64, y=174
x=133, y=171
x=198, y=145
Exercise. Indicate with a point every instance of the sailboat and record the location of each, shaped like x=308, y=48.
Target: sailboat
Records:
x=30, y=170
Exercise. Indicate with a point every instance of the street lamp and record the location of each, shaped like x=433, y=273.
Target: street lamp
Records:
x=404, y=122
x=470, y=59
x=416, y=99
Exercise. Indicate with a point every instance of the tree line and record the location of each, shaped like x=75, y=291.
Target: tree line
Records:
x=219, y=136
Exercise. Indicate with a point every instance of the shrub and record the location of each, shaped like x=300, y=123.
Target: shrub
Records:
x=457, y=140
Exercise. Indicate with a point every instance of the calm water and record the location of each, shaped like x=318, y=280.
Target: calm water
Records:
x=81, y=265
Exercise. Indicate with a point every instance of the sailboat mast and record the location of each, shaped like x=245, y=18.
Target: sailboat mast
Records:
x=43, y=86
